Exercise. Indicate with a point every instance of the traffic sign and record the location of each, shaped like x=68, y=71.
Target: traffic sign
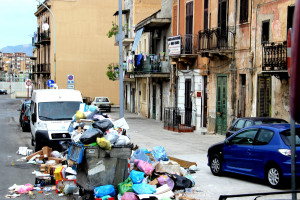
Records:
x=50, y=83
x=70, y=81
x=28, y=83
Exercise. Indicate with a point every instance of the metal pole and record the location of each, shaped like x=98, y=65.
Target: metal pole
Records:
x=121, y=60
x=54, y=42
x=293, y=160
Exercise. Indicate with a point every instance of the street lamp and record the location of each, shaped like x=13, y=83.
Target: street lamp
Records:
x=54, y=42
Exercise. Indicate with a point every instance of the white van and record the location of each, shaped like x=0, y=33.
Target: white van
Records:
x=51, y=113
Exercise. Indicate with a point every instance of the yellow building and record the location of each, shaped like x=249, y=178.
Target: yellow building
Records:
x=82, y=47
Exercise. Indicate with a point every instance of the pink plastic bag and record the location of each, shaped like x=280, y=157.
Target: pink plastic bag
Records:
x=163, y=179
x=129, y=196
x=24, y=188
x=144, y=166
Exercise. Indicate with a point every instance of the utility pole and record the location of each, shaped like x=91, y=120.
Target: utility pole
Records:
x=121, y=60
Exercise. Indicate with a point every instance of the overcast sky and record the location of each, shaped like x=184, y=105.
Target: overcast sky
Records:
x=17, y=22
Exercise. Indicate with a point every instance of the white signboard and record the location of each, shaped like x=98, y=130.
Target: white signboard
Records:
x=174, y=45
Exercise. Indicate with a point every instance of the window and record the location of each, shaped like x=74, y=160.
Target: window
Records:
x=243, y=11
x=248, y=123
x=246, y=137
x=264, y=137
x=239, y=125
x=265, y=31
x=286, y=137
x=205, y=23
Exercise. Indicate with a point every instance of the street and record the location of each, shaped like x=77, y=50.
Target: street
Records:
x=146, y=133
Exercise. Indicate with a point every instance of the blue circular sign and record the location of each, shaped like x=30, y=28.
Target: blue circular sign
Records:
x=50, y=83
x=70, y=77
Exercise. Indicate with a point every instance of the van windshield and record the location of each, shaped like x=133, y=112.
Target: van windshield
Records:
x=57, y=110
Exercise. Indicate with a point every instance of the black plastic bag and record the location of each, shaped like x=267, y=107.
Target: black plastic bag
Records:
x=181, y=182
x=103, y=124
x=90, y=135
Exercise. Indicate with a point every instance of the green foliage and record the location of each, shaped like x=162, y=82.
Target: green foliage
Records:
x=111, y=73
x=115, y=29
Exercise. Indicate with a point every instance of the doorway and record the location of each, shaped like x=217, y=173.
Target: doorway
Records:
x=221, y=105
x=188, y=103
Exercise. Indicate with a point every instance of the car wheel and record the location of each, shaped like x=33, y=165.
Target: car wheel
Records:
x=37, y=147
x=215, y=165
x=274, y=176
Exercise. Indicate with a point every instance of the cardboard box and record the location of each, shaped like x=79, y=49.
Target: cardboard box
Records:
x=57, y=160
x=59, y=173
x=34, y=154
x=46, y=151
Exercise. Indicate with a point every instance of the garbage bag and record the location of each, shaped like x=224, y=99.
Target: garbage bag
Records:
x=125, y=186
x=111, y=135
x=143, y=188
x=141, y=155
x=24, y=188
x=103, y=125
x=93, y=113
x=90, y=135
x=159, y=153
x=129, y=196
x=136, y=176
x=80, y=115
x=164, y=179
x=103, y=143
x=181, y=182
x=122, y=140
x=144, y=166
x=104, y=190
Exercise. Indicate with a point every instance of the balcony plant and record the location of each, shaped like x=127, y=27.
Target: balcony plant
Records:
x=111, y=73
x=115, y=29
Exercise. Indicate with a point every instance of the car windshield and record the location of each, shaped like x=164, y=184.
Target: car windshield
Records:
x=286, y=137
x=102, y=100
x=57, y=110
x=270, y=121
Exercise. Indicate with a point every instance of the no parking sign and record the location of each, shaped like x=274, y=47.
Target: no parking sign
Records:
x=70, y=80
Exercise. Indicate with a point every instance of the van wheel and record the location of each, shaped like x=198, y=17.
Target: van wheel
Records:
x=37, y=147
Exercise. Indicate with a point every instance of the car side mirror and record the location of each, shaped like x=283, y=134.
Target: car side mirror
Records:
x=228, y=142
x=33, y=117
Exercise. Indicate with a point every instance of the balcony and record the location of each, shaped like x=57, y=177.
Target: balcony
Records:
x=41, y=69
x=126, y=40
x=41, y=37
x=216, y=41
x=274, y=59
x=155, y=65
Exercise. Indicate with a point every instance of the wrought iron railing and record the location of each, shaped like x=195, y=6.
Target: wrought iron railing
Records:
x=152, y=64
x=274, y=57
x=216, y=39
x=189, y=44
x=176, y=119
x=42, y=68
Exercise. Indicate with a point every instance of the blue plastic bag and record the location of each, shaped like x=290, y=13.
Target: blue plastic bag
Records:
x=140, y=154
x=143, y=188
x=159, y=153
x=104, y=190
x=136, y=176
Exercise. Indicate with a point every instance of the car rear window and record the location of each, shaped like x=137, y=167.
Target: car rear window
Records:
x=102, y=100
x=270, y=121
x=286, y=137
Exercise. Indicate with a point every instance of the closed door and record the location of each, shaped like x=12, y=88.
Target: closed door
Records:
x=264, y=96
x=188, y=103
x=154, y=102
x=221, y=107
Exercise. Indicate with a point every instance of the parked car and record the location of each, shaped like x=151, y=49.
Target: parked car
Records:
x=3, y=91
x=22, y=111
x=103, y=103
x=26, y=120
x=250, y=121
x=262, y=151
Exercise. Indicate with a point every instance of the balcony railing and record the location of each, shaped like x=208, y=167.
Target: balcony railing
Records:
x=124, y=36
x=41, y=68
x=152, y=64
x=274, y=57
x=189, y=44
x=216, y=39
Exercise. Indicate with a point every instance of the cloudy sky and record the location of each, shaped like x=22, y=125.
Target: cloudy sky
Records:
x=17, y=22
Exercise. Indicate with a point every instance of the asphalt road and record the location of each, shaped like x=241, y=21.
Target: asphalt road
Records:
x=145, y=133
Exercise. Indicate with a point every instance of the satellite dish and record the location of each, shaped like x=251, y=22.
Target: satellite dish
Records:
x=45, y=27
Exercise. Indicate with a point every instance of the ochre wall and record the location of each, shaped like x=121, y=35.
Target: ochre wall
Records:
x=82, y=47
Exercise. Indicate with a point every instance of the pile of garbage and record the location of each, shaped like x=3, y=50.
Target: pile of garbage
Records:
x=102, y=160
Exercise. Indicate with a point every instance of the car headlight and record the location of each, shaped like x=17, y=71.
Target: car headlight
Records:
x=285, y=152
x=41, y=126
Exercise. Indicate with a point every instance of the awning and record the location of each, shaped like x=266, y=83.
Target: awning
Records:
x=137, y=39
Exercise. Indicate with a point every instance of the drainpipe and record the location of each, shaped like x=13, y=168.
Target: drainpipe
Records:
x=178, y=1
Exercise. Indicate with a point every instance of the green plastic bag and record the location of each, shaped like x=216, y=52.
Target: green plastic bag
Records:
x=125, y=186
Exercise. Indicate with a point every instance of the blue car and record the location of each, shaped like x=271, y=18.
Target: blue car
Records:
x=262, y=151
